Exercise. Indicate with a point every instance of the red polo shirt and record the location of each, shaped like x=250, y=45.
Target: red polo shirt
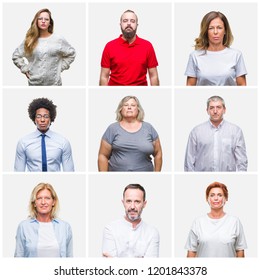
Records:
x=128, y=63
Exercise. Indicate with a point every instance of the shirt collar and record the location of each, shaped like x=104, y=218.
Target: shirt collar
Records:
x=136, y=41
x=34, y=220
x=129, y=224
x=216, y=127
x=47, y=133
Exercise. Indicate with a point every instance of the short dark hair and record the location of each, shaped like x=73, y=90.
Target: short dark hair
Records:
x=42, y=103
x=136, y=187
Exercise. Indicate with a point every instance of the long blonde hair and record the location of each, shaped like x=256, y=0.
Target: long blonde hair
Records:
x=32, y=35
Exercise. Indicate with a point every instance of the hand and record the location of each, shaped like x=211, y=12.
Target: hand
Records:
x=107, y=255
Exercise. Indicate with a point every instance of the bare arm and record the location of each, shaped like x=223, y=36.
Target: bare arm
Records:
x=191, y=254
x=104, y=76
x=104, y=155
x=240, y=254
x=191, y=81
x=153, y=75
x=157, y=155
x=241, y=81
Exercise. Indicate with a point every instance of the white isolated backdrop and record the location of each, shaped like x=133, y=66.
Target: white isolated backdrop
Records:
x=70, y=120
x=157, y=104
x=190, y=110
x=155, y=25
x=242, y=18
x=71, y=191
x=69, y=22
x=190, y=203
x=105, y=206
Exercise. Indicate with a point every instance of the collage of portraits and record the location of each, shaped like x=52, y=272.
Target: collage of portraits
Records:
x=129, y=129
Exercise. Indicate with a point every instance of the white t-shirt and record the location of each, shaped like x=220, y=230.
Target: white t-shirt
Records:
x=216, y=68
x=47, y=242
x=120, y=239
x=216, y=237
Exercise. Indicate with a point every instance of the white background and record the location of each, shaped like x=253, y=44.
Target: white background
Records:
x=172, y=30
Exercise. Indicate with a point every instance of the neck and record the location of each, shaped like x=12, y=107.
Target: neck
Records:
x=217, y=47
x=216, y=213
x=44, y=34
x=134, y=223
x=216, y=124
x=44, y=218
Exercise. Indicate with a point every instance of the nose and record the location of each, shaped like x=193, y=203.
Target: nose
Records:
x=215, y=30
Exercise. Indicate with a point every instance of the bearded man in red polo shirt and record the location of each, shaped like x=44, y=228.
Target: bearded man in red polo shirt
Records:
x=126, y=60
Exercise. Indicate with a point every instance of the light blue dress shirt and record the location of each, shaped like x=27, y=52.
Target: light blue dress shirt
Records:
x=27, y=238
x=29, y=158
x=211, y=148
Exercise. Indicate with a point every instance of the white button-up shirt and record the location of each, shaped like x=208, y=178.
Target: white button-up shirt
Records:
x=211, y=148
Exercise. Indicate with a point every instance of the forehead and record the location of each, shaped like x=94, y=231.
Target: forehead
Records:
x=215, y=103
x=216, y=190
x=217, y=21
x=128, y=15
x=44, y=14
x=43, y=192
x=134, y=194
x=131, y=100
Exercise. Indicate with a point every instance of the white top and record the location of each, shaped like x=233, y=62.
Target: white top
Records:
x=211, y=148
x=216, y=237
x=216, y=68
x=120, y=239
x=50, y=57
x=47, y=242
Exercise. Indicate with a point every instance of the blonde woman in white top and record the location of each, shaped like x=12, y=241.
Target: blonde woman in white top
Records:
x=43, y=55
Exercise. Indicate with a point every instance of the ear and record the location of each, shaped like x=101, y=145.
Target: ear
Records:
x=145, y=202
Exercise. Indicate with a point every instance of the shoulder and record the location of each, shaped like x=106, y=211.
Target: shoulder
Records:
x=57, y=136
x=150, y=228
x=233, y=51
x=200, y=127
x=26, y=223
x=28, y=137
x=113, y=126
x=143, y=41
x=114, y=42
x=232, y=126
x=61, y=223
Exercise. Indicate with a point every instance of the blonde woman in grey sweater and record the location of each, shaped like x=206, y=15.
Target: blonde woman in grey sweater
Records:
x=43, y=55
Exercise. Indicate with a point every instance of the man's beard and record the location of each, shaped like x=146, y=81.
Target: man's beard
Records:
x=128, y=34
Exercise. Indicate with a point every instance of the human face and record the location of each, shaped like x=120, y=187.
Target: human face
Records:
x=134, y=204
x=128, y=25
x=43, y=21
x=216, y=110
x=44, y=202
x=129, y=109
x=216, y=32
x=216, y=198
x=42, y=119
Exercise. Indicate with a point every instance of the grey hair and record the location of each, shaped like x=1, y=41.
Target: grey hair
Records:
x=216, y=98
